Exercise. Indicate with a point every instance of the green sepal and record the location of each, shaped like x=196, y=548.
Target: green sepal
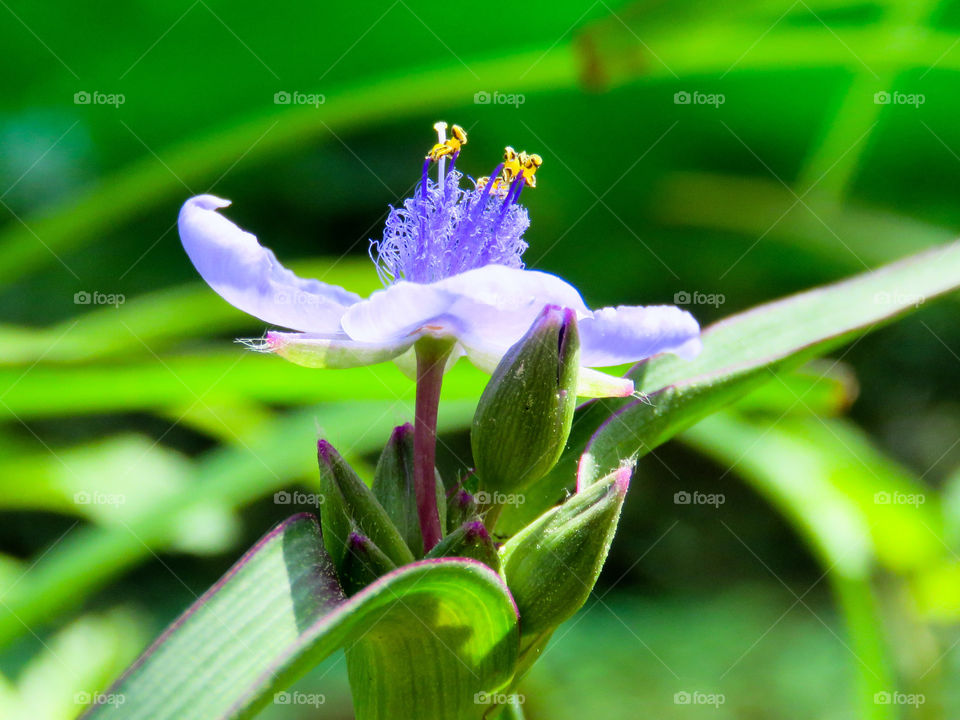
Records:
x=552, y=564
x=394, y=489
x=363, y=563
x=470, y=540
x=524, y=416
x=348, y=506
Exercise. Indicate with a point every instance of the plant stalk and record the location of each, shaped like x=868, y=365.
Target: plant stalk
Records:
x=431, y=360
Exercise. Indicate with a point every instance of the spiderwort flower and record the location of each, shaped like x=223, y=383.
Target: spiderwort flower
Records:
x=451, y=261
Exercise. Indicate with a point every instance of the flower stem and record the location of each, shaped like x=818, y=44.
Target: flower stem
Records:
x=431, y=359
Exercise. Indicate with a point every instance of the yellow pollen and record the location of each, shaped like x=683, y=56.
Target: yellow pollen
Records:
x=447, y=146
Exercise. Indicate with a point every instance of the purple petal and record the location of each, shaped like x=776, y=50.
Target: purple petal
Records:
x=613, y=336
x=249, y=277
x=492, y=306
x=323, y=351
x=401, y=311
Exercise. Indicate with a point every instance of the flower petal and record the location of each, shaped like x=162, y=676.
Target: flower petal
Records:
x=249, y=276
x=323, y=351
x=493, y=305
x=399, y=311
x=612, y=336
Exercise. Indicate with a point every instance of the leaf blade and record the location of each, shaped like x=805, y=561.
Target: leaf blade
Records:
x=279, y=610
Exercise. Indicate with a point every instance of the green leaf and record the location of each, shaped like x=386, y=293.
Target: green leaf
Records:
x=438, y=631
x=740, y=354
x=225, y=376
x=821, y=387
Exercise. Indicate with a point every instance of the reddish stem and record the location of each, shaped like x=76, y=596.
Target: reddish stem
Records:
x=431, y=359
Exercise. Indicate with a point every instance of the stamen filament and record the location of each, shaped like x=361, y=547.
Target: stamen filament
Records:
x=441, y=128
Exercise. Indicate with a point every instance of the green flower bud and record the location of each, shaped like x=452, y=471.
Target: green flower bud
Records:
x=363, y=563
x=461, y=507
x=470, y=540
x=525, y=413
x=552, y=564
x=350, y=506
x=394, y=488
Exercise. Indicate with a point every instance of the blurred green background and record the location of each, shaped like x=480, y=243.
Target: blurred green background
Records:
x=719, y=156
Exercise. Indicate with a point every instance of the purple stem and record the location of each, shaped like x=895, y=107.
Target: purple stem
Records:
x=431, y=359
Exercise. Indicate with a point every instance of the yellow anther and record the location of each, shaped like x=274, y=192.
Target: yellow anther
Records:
x=499, y=187
x=511, y=164
x=447, y=145
x=515, y=164
x=530, y=163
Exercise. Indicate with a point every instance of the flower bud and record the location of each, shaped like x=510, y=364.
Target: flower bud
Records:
x=470, y=540
x=363, y=563
x=349, y=506
x=525, y=413
x=461, y=507
x=552, y=564
x=394, y=488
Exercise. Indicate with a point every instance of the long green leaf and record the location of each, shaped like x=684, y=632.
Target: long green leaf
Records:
x=205, y=380
x=426, y=638
x=739, y=354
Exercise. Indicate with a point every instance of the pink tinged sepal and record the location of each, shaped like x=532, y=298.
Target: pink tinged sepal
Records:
x=319, y=351
x=597, y=384
x=552, y=564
